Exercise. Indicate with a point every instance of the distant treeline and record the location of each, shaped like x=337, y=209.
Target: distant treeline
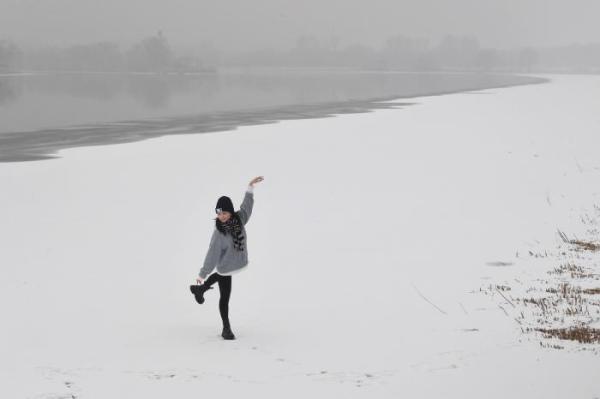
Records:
x=458, y=53
x=452, y=53
x=151, y=54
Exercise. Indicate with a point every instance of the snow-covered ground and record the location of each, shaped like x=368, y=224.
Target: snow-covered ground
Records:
x=371, y=239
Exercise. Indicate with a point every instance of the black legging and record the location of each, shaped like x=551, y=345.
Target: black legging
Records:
x=225, y=291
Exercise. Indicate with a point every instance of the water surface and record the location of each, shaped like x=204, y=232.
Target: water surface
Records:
x=41, y=113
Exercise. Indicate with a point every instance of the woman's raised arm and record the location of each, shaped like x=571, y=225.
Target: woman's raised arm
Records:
x=248, y=202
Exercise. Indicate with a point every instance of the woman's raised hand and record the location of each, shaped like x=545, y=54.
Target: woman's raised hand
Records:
x=256, y=180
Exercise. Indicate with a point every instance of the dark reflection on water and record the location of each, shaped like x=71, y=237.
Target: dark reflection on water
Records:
x=42, y=113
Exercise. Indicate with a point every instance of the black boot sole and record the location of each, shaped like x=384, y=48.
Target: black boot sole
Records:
x=198, y=294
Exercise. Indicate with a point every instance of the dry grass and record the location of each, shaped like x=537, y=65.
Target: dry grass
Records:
x=586, y=245
x=581, y=244
x=585, y=335
x=557, y=306
x=551, y=346
x=572, y=269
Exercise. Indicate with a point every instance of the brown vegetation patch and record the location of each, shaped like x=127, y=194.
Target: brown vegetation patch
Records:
x=584, y=335
x=581, y=244
x=586, y=245
x=563, y=304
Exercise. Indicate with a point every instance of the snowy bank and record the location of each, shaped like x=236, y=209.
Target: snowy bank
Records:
x=370, y=240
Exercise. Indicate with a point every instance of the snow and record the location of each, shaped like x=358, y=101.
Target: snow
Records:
x=370, y=240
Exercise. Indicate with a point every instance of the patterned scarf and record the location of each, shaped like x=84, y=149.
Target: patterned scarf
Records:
x=233, y=227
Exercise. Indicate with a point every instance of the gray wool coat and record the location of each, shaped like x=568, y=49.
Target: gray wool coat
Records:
x=221, y=253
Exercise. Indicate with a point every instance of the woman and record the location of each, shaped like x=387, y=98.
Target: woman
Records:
x=227, y=252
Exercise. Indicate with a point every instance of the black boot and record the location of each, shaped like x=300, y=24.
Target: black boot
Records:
x=198, y=290
x=227, y=333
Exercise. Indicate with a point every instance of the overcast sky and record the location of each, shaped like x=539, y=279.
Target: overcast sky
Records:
x=250, y=24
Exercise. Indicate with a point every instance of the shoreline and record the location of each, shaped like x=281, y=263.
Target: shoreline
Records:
x=43, y=144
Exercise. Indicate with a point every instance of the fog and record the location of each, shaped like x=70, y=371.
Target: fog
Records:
x=235, y=26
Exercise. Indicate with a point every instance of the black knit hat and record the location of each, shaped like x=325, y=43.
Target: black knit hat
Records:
x=224, y=204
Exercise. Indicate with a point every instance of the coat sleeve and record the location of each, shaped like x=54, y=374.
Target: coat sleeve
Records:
x=247, y=205
x=212, y=256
